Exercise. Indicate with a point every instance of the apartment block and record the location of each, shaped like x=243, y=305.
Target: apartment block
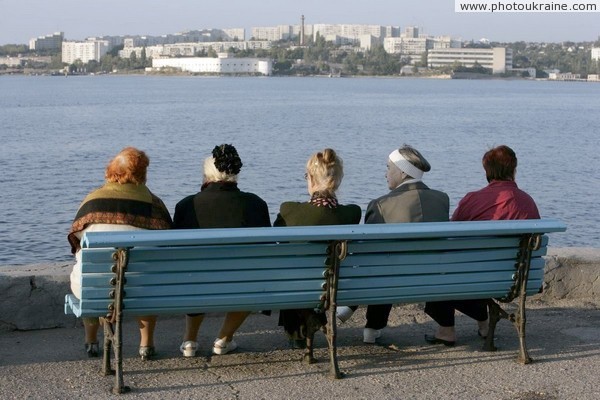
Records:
x=498, y=59
x=192, y=49
x=48, y=42
x=84, y=51
x=595, y=53
x=351, y=34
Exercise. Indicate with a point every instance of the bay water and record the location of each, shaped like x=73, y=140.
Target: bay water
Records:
x=57, y=135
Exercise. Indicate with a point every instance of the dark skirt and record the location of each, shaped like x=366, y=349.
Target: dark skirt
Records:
x=298, y=324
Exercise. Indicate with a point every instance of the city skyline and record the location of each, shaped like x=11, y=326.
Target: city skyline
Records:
x=21, y=20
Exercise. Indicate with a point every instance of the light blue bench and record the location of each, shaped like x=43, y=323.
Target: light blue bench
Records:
x=251, y=269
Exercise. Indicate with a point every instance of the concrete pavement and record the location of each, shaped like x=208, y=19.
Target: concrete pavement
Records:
x=563, y=338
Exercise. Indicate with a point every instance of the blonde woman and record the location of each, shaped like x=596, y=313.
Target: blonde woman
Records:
x=324, y=173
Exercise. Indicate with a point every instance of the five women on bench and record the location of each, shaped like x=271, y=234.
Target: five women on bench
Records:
x=124, y=203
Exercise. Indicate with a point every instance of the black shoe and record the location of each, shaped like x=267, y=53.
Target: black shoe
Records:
x=431, y=339
x=91, y=349
x=146, y=352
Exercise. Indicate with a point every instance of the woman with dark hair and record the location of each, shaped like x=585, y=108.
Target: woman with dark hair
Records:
x=324, y=173
x=501, y=199
x=219, y=204
x=124, y=203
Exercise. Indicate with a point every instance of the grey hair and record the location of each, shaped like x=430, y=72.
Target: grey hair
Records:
x=212, y=174
x=414, y=157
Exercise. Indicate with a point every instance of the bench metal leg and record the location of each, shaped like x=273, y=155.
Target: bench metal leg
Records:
x=529, y=243
x=108, y=337
x=336, y=253
x=113, y=323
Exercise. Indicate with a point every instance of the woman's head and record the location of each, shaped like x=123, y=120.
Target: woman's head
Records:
x=223, y=166
x=500, y=164
x=129, y=166
x=325, y=171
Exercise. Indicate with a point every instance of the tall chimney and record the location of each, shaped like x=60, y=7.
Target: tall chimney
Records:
x=302, y=32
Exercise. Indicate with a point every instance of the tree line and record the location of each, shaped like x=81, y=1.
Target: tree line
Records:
x=323, y=57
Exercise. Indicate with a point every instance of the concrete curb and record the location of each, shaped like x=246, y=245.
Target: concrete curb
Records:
x=32, y=296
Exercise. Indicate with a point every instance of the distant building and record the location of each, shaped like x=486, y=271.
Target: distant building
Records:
x=411, y=32
x=411, y=46
x=48, y=42
x=565, y=76
x=596, y=53
x=531, y=72
x=280, y=32
x=191, y=49
x=84, y=51
x=350, y=34
x=593, y=78
x=498, y=59
x=221, y=65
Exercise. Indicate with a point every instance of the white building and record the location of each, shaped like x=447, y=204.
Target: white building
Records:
x=84, y=51
x=348, y=33
x=191, y=49
x=48, y=42
x=593, y=78
x=280, y=32
x=221, y=65
x=498, y=59
x=596, y=53
x=416, y=46
x=565, y=76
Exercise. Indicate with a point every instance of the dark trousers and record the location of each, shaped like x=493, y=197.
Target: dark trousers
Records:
x=377, y=316
x=442, y=312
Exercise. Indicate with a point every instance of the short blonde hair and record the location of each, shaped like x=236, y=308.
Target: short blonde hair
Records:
x=326, y=170
x=129, y=166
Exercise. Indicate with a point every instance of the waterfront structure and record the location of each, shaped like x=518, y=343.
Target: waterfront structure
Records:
x=595, y=53
x=224, y=64
x=85, y=52
x=593, y=78
x=48, y=42
x=497, y=59
x=564, y=76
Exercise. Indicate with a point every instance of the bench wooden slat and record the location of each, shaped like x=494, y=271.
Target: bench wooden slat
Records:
x=210, y=288
x=423, y=230
x=415, y=294
x=377, y=246
x=410, y=269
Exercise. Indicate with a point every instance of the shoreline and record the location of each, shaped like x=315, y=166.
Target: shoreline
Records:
x=33, y=294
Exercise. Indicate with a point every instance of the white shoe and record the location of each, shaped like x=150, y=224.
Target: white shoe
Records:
x=221, y=346
x=343, y=313
x=189, y=348
x=371, y=335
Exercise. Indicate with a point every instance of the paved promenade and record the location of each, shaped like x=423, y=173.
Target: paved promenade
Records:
x=563, y=338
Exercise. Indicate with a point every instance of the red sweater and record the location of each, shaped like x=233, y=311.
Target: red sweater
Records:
x=498, y=200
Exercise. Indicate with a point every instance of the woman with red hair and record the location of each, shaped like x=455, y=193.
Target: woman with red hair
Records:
x=501, y=199
x=124, y=203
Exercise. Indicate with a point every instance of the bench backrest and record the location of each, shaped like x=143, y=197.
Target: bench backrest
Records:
x=210, y=270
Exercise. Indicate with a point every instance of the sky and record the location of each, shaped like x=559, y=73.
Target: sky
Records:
x=21, y=20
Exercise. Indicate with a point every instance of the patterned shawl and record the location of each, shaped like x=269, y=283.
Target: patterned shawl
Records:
x=121, y=204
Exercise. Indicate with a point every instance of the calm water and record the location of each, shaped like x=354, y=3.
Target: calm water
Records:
x=57, y=135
